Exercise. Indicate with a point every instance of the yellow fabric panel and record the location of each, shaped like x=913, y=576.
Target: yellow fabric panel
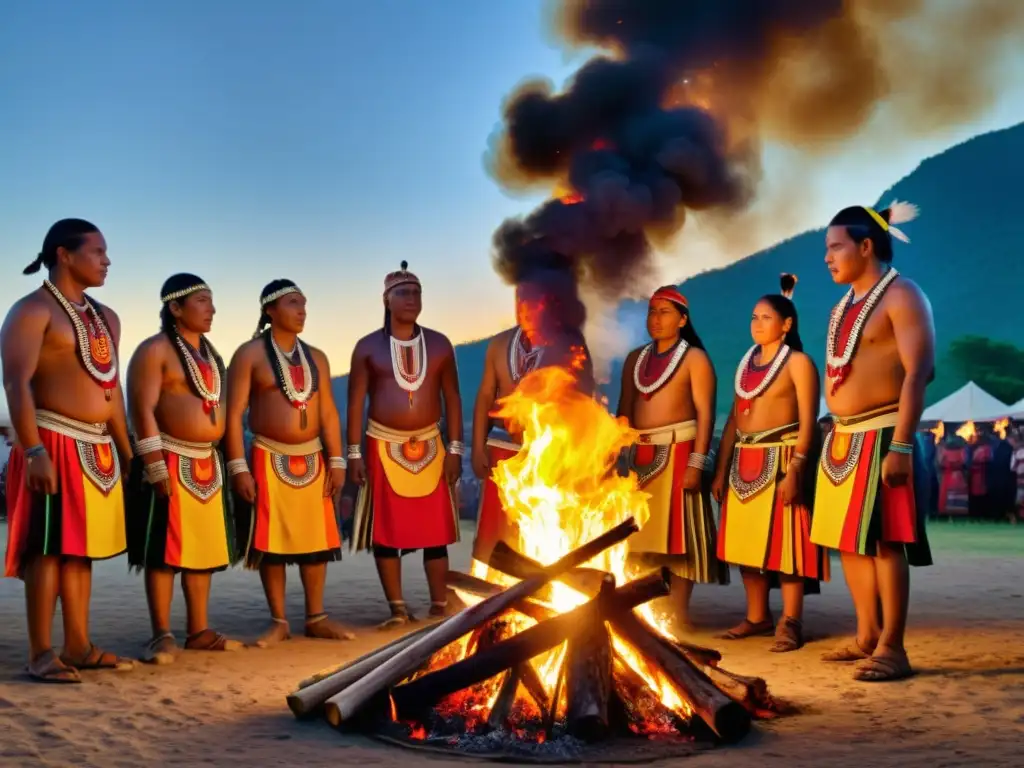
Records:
x=747, y=527
x=831, y=502
x=104, y=520
x=204, y=539
x=295, y=516
x=405, y=483
x=653, y=535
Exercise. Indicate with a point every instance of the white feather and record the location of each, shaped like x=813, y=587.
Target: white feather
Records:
x=898, y=234
x=902, y=212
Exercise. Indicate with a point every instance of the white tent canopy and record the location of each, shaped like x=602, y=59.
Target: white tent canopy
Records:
x=969, y=403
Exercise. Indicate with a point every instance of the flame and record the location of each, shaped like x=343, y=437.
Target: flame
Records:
x=939, y=431
x=563, y=489
x=1000, y=428
x=967, y=431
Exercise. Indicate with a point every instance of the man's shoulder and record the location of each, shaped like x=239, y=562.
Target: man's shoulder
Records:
x=436, y=336
x=35, y=307
x=158, y=343
x=249, y=350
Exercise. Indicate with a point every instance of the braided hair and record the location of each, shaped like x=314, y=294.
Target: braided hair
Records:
x=66, y=233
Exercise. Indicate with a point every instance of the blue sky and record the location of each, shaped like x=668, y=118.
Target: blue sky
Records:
x=323, y=141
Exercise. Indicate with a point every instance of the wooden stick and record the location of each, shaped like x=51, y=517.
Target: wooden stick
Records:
x=502, y=708
x=482, y=588
x=588, y=681
x=727, y=719
x=425, y=691
x=519, y=566
x=314, y=691
x=346, y=703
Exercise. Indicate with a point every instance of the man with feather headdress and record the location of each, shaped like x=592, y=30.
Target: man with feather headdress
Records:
x=880, y=356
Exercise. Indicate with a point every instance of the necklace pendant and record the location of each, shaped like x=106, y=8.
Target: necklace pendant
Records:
x=107, y=394
x=410, y=399
x=303, y=421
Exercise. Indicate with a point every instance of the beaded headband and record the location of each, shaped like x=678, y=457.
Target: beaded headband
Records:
x=278, y=294
x=175, y=295
x=671, y=294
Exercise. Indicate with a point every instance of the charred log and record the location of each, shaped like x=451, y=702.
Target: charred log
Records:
x=482, y=588
x=346, y=703
x=588, y=681
x=411, y=698
x=725, y=717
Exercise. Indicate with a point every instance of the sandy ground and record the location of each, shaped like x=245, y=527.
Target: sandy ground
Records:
x=965, y=707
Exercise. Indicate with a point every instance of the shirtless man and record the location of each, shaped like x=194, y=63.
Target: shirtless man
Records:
x=762, y=475
x=407, y=498
x=179, y=518
x=65, y=499
x=287, y=491
x=542, y=337
x=880, y=355
x=668, y=395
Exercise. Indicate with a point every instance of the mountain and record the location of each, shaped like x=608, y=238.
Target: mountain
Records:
x=965, y=255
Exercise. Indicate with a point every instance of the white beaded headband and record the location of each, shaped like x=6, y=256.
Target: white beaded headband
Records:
x=278, y=294
x=184, y=292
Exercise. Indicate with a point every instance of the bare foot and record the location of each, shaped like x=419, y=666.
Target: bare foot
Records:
x=208, y=640
x=440, y=610
x=323, y=628
x=162, y=649
x=278, y=632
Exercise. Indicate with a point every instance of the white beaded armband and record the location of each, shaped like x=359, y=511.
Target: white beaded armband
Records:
x=337, y=462
x=697, y=461
x=237, y=467
x=149, y=445
x=456, y=448
x=157, y=472
x=354, y=452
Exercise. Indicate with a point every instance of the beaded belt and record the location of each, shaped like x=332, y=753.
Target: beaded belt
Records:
x=186, y=448
x=670, y=434
x=380, y=432
x=83, y=431
x=288, y=449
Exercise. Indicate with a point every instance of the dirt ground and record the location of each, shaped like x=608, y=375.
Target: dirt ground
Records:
x=965, y=706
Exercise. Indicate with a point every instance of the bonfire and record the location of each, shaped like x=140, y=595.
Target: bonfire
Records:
x=556, y=644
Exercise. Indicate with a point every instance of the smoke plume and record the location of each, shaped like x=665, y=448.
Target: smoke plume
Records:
x=670, y=119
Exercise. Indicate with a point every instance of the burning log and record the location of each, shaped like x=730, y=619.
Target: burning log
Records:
x=520, y=566
x=506, y=698
x=588, y=669
x=482, y=588
x=346, y=703
x=314, y=691
x=725, y=717
x=412, y=697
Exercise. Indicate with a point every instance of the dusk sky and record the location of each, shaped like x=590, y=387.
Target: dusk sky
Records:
x=323, y=140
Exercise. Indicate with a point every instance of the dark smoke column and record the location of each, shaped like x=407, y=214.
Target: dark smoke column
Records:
x=628, y=139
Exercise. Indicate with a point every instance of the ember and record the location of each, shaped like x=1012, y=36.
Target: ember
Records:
x=558, y=649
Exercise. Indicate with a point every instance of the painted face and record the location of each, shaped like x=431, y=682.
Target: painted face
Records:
x=664, y=319
x=845, y=258
x=89, y=262
x=289, y=312
x=195, y=312
x=405, y=302
x=766, y=325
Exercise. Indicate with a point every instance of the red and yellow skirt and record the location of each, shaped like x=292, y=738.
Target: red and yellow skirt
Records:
x=680, y=532
x=194, y=528
x=492, y=523
x=853, y=509
x=86, y=516
x=292, y=521
x=757, y=530
x=406, y=502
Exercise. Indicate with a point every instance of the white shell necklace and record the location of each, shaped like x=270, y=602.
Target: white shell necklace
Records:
x=105, y=378
x=297, y=397
x=658, y=383
x=209, y=395
x=409, y=380
x=837, y=368
x=747, y=396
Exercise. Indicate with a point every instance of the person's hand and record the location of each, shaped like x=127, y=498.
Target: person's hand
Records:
x=481, y=463
x=789, y=488
x=40, y=474
x=718, y=488
x=692, y=478
x=357, y=471
x=244, y=486
x=896, y=469
x=334, y=480
x=452, y=468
